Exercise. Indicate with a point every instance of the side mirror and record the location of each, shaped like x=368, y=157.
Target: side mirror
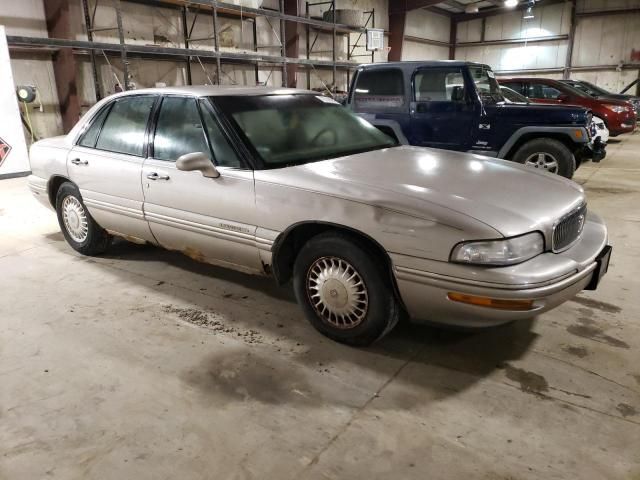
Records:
x=457, y=94
x=563, y=98
x=197, y=161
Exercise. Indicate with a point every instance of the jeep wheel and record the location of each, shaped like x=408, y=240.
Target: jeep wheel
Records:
x=547, y=154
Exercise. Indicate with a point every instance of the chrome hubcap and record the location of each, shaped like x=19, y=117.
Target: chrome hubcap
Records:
x=545, y=161
x=337, y=292
x=75, y=219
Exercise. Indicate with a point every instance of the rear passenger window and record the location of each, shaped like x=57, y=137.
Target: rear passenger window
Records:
x=539, y=90
x=124, y=129
x=379, y=89
x=91, y=135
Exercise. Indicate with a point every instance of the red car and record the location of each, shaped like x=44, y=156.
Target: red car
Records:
x=618, y=115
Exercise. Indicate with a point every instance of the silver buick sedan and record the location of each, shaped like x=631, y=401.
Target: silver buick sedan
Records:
x=288, y=183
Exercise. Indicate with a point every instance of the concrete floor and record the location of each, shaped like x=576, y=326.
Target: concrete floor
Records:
x=143, y=364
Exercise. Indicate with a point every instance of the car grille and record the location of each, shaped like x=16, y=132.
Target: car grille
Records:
x=568, y=229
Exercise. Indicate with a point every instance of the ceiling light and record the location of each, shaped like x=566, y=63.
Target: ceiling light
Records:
x=471, y=8
x=529, y=14
x=510, y=3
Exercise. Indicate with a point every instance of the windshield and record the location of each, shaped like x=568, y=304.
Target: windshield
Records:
x=286, y=130
x=594, y=89
x=574, y=90
x=486, y=83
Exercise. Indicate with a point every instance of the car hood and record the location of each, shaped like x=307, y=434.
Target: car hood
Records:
x=541, y=114
x=424, y=182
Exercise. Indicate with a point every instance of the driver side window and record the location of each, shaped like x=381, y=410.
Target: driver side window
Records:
x=179, y=130
x=439, y=85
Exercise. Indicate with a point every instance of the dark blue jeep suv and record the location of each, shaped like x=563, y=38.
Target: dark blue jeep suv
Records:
x=458, y=105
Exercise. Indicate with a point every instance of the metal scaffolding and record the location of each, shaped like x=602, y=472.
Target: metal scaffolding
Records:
x=216, y=9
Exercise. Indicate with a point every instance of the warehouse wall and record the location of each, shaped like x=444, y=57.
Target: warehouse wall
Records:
x=26, y=17
x=599, y=42
x=549, y=20
x=430, y=26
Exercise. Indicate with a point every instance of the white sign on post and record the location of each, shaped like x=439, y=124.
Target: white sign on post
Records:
x=14, y=158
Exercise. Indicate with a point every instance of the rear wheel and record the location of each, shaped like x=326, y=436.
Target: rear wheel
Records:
x=547, y=154
x=78, y=227
x=344, y=293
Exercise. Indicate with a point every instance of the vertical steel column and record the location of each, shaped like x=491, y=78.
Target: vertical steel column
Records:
x=333, y=56
x=92, y=53
x=308, y=48
x=292, y=41
x=453, y=39
x=572, y=34
x=216, y=43
x=283, y=49
x=255, y=48
x=186, y=43
x=397, y=20
x=373, y=52
x=123, y=49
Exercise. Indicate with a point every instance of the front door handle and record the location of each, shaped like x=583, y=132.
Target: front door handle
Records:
x=77, y=161
x=156, y=176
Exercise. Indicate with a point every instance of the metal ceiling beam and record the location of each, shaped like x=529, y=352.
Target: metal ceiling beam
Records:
x=500, y=10
x=398, y=6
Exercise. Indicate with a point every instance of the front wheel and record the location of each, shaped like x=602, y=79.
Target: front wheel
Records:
x=78, y=227
x=547, y=154
x=343, y=291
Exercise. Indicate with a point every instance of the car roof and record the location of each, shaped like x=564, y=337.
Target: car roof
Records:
x=219, y=90
x=411, y=65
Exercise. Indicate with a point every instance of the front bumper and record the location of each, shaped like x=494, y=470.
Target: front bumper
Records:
x=38, y=187
x=549, y=280
x=595, y=150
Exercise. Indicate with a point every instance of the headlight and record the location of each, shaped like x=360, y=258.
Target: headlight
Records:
x=616, y=108
x=508, y=251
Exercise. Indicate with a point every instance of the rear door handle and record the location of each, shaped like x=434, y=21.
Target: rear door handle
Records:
x=77, y=161
x=156, y=176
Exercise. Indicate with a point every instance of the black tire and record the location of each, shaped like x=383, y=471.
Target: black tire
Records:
x=97, y=239
x=549, y=146
x=383, y=310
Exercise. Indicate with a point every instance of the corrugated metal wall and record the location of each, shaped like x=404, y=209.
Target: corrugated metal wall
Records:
x=600, y=42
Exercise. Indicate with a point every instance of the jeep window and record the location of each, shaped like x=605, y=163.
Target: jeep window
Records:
x=379, y=88
x=439, y=85
x=486, y=83
x=286, y=130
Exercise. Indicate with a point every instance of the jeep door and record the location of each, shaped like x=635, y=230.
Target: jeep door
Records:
x=443, y=111
x=209, y=219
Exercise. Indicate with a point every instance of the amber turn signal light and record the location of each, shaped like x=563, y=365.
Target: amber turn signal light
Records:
x=500, y=304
